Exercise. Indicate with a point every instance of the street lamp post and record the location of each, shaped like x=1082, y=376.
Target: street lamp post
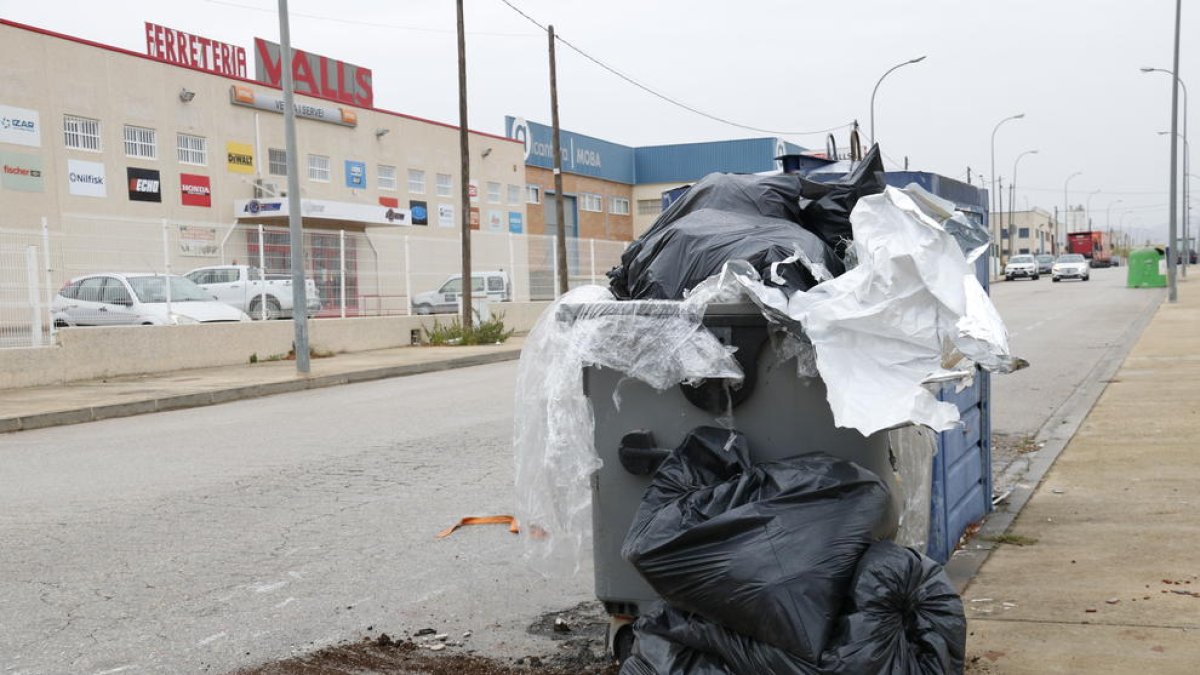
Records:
x=889, y=72
x=1187, y=187
x=1187, y=151
x=1066, y=203
x=1012, y=186
x=1088, y=208
x=995, y=185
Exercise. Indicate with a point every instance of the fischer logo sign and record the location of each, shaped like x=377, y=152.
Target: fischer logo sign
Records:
x=314, y=75
x=193, y=51
x=86, y=179
x=145, y=185
x=21, y=172
x=195, y=190
x=20, y=126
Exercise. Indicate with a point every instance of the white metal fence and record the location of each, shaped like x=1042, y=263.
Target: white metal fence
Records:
x=357, y=273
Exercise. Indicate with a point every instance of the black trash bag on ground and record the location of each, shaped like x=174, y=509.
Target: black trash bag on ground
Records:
x=671, y=642
x=724, y=217
x=767, y=550
x=902, y=617
x=825, y=207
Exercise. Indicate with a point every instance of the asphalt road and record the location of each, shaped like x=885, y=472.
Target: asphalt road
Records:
x=208, y=539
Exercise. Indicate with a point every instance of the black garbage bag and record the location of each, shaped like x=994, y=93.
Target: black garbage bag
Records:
x=825, y=207
x=671, y=642
x=768, y=550
x=902, y=617
x=724, y=217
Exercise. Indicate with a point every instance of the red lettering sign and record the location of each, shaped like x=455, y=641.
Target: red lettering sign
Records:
x=194, y=190
x=315, y=75
x=193, y=51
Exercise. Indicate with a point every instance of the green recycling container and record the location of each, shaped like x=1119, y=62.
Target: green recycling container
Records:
x=1147, y=268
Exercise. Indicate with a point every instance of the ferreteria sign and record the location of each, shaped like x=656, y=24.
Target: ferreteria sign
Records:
x=193, y=51
x=314, y=74
x=245, y=96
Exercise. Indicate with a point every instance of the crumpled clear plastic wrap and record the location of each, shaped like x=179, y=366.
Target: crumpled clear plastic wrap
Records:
x=909, y=309
x=913, y=448
x=661, y=343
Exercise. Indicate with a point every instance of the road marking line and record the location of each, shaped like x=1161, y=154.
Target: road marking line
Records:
x=267, y=588
x=114, y=670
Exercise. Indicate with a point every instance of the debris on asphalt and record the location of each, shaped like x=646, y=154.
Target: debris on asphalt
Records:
x=561, y=626
x=424, y=631
x=1113, y=601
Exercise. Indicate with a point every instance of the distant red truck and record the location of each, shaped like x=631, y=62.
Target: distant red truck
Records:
x=1094, y=246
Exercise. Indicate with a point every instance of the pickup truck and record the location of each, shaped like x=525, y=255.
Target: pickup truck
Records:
x=249, y=290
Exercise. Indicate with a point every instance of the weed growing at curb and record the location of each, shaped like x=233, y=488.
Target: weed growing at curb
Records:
x=488, y=332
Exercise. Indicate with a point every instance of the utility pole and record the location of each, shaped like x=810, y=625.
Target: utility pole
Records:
x=999, y=181
x=1173, y=245
x=295, y=230
x=465, y=156
x=559, y=207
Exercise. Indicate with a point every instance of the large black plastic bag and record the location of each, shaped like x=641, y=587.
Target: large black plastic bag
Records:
x=724, y=217
x=825, y=207
x=768, y=550
x=671, y=642
x=902, y=618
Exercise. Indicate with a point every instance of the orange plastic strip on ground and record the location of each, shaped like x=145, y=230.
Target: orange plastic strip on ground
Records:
x=481, y=520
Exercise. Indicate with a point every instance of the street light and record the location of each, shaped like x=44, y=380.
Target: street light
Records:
x=995, y=184
x=1187, y=152
x=1066, y=215
x=1012, y=185
x=1187, y=184
x=1088, y=209
x=889, y=72
x=1108, y=214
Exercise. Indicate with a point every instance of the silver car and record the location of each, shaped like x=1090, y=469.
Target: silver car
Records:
x=1070, y=266
x=1021, y=266
x=138, y=299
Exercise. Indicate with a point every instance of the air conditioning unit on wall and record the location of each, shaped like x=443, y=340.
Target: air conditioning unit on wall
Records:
x=267, y=190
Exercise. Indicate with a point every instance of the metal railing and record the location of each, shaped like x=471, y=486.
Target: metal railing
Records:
x=356, y=272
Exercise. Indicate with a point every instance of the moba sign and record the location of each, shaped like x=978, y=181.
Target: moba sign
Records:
x=314, y=74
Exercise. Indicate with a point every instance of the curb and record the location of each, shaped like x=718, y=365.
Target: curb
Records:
x=238, y=393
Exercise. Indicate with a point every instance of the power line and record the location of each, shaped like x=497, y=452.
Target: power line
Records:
x=373, y=24
x=664, y=97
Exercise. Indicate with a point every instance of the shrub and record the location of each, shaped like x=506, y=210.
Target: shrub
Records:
x=488, y=332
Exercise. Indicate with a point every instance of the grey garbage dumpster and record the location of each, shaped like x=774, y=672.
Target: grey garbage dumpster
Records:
x=781, y=412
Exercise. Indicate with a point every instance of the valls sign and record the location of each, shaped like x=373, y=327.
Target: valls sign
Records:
x=144, y=185
x=20, y=126
x=314, y=74
x=195, y=190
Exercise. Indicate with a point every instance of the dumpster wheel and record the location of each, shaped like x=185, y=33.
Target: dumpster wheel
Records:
x=619, y=637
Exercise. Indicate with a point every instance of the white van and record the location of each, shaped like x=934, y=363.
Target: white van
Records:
x=495, y=285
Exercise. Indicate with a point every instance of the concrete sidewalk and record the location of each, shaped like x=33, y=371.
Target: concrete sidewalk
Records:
x=75, y=402
x=1100, y=572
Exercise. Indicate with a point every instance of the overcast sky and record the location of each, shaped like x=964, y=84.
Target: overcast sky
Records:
x=785, y=65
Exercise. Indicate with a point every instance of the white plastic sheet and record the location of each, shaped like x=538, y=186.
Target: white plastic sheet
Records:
x=660, y=343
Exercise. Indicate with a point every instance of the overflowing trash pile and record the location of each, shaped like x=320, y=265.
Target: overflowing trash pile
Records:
x=794, y=565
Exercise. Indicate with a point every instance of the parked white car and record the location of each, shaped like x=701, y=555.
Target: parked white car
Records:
x=137, y=299
x=249, y=290
x=495, y=285
x=1070, y=266
x=1021, y=266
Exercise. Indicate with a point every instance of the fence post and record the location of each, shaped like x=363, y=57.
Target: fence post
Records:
x=512, y=267
x=554, y=265
x=262, y=282
x=342, y=269
x=35, y=309
x=167, y=266
x=592, y=253
x=408, y=300
x=49, y=283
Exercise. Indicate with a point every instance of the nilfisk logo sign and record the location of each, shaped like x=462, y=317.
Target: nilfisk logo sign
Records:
x=86, y=179
x=144, y=185
x=20, y=126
